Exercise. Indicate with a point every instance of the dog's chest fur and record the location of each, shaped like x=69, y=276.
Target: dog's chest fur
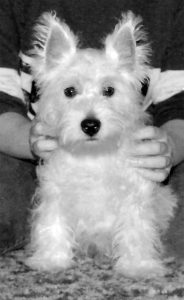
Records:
x=92, y=190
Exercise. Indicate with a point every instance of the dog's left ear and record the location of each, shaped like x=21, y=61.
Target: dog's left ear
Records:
x=53, y=43
x=61, y=44
x=127, y=44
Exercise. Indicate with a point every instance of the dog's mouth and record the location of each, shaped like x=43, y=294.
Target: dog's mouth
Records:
x=92, y=146
x=91, y=139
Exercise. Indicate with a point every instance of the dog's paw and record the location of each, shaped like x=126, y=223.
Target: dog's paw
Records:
x=145, y=269
x=53, y=263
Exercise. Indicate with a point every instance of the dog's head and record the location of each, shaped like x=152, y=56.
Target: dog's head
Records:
x=90, y=95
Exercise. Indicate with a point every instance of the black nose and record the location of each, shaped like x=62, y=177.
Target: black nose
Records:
x=90, y=126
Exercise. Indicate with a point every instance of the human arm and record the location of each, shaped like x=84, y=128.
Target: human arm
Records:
x=20, y=138
x=16, y=135
x=13, y=121
x=158, y=149
x=175, y=131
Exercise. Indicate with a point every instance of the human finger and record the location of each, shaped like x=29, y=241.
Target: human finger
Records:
x=41, y=129
x=149, y=132
x=42, y=146
x=151, y=162
x=149, y=147
x=158, y=175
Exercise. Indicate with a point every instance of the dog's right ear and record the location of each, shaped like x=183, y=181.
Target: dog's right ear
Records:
x=53, y=43
x=128, y=46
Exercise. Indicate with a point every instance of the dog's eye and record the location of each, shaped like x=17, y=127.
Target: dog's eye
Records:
x=108, y=91
x=70, y=92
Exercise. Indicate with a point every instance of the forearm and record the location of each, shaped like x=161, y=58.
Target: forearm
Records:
x=14, y=135
x=175, y=131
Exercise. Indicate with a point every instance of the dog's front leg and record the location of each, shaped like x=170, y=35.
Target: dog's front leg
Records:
x=52, y=239
x=137, y=245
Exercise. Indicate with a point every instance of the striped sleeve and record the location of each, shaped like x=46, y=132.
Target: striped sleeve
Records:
x=173, y=59
x=172, y=108
x=11, y=94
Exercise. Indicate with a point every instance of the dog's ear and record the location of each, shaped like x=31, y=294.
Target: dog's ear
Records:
x=120, y=45
x=127, y=44
x=53, y=42
x=60, y=44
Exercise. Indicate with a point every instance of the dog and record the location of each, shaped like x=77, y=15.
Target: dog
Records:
x=88, y=192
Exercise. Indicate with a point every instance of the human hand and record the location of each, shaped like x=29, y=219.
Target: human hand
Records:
x=42, y=142
x=152, y=153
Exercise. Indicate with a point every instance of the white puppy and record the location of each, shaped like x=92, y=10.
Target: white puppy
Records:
x=88, y=192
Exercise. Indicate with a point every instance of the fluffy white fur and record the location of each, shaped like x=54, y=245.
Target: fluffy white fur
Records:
x=88, y=192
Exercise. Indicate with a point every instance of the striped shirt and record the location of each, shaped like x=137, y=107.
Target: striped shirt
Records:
x=91, y=20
